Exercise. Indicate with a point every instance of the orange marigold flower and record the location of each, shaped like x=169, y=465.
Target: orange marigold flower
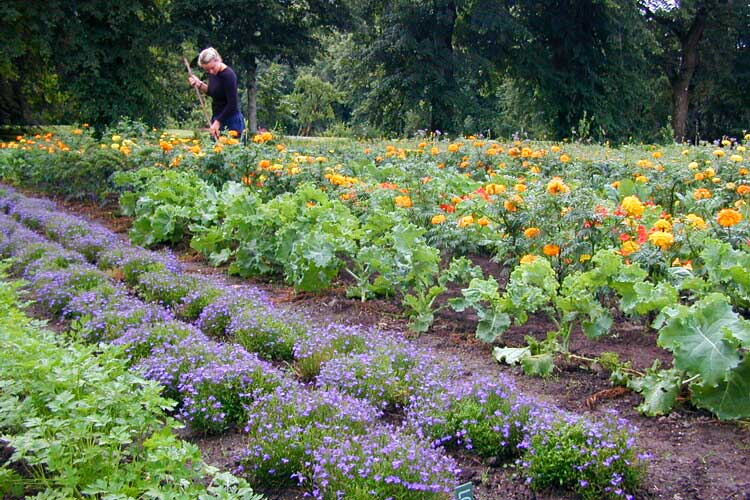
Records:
x=557, y=186
x=551, y=250
x=728, y=217
x=466, y=220
x=743, y=189
x=264, y=164
x=484, y=221
x=564, y=158
x=532, y=232
x=402, y=201
x=438, y=219
x=701, y=194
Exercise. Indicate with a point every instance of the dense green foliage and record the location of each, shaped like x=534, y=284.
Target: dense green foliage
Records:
x=599, y=69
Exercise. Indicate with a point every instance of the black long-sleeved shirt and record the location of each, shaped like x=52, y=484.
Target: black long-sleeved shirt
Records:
x=222, y=88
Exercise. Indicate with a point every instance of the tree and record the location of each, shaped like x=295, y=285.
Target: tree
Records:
x=679, y=27
x=406, y=62
x=312, y=102
x=583, y=61
x=247, y=32
x=28, y=85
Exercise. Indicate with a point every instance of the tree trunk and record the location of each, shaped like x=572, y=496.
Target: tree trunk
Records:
x=680, y=80
x=252, y=97
x=442, y=96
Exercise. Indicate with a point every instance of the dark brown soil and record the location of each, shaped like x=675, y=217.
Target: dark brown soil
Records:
x=695, y=456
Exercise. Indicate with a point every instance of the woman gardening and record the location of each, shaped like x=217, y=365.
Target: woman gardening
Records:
x=222, y=87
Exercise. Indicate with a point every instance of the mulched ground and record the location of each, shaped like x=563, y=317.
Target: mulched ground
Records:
x=695, y=456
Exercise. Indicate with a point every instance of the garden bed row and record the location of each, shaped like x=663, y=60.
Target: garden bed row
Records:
x=321, y=424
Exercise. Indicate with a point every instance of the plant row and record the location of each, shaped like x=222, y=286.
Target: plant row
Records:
x=79, y=424
x=321, y=438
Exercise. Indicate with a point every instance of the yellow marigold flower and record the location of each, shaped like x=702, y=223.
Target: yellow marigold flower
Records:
x=701, y=194
x=76, y=131
x=494, y=188
x=744, y=171
x=585, y=257
x=564, y=158
x=438, y=219
x=465, y=221
x=663, y=225
x=402, y=201
x=641, y=179
x=699, y=176
x=280, y=148
x=555, y=149
x=434, y=150
x=719, y=153
x=743, y=189
x=656, y=154
x=526, y=152
x=453, y=148
x=747, y=137
x=632, y=206
x=726, y=142
x=116, y=138
x=294, y=170
x=644, y=163
x=195, y=149
x=378, y=159
x=551, y=250
x=710, y=172
x=532, y=232
x=696, y=221
x=484, y=221
x=728, y=217
x=661, y=239
x=629, y=247
x=615, y=184
x=716, y=180
x=114, y=145
x=520, y=188
x=557, y=186
x=693, y=165
x=736, y=158
x=528, y=258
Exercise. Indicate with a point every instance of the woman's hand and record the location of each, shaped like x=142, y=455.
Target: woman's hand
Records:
x=195, y=82
x=214, y=129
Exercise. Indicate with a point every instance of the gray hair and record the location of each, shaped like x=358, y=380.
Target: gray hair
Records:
x=208, y=55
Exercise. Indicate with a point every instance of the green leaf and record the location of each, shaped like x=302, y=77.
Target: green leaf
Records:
x=541, y=365
x=492, y=324
x=730, y=399
x=702, y=338
x=659, y=389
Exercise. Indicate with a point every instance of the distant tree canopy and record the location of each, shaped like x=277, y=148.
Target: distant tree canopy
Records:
x=585, y=69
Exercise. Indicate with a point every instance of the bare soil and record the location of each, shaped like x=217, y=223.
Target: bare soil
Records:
x=695, y=456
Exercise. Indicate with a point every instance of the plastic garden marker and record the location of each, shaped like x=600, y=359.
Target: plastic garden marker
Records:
x=465, y=492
